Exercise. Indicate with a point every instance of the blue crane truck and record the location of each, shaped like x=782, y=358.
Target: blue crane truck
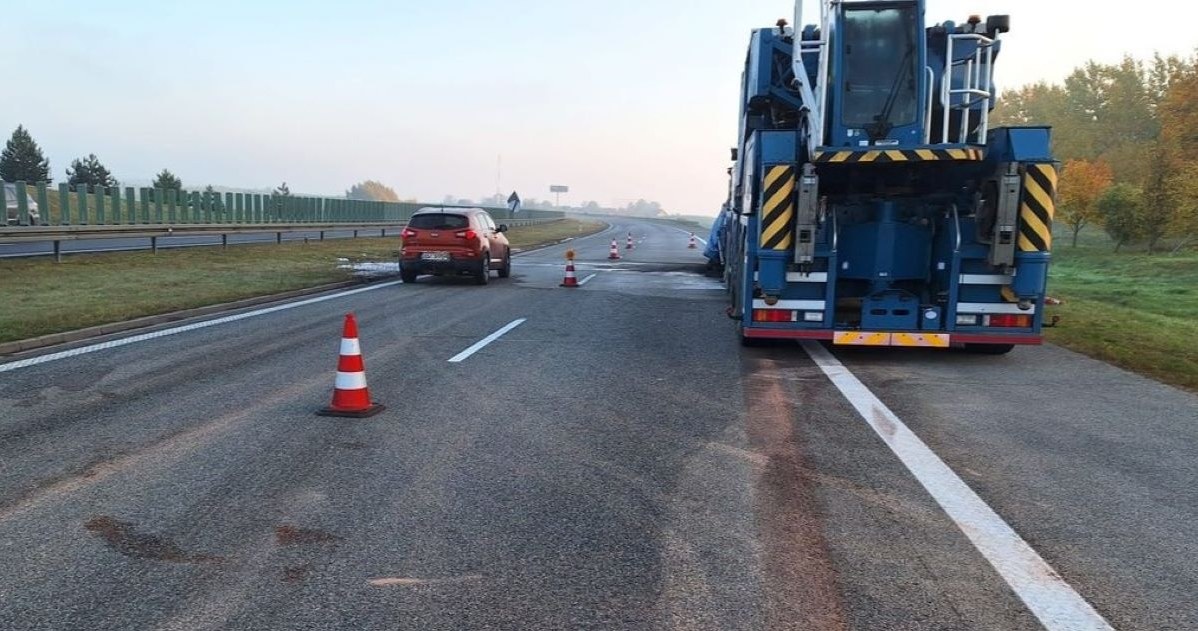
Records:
x=870, y=202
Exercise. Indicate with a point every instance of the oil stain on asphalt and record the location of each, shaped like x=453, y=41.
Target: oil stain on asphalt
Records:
x=124, y=538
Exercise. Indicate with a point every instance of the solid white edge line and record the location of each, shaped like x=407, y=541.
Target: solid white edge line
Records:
x=1038, y=585
x=83, y=350
x=584, y=281
x=690, y=232
x=477, y=346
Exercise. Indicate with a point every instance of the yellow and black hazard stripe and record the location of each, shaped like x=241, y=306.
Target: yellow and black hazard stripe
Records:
x=897, y=155
x=778, y=208
x=1037, y=208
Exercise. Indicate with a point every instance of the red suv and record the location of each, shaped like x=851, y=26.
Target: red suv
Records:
x=454, y=241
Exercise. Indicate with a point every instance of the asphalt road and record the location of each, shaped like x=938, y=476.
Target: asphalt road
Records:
x=44, y=248
x=614, y=461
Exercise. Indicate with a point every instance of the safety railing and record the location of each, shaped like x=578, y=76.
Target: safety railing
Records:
x=37, y=205
x=815, y=97
x=56, y=235
x=975, y=88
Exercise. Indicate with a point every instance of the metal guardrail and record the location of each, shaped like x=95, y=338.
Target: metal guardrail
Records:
x=153, y=232
x=36, y=204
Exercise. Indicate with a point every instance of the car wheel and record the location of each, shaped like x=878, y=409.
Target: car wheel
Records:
x=407, y=276
x=484, y=270
x=506, y=270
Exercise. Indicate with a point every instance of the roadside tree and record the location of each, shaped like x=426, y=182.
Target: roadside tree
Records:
x=1082, y=184
x=90, y=171
x=22, y=160
x=167, y=180
x=372, y=191
x=1120, y=207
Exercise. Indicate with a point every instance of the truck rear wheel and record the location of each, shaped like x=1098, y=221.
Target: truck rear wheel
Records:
x=754, y=342
x=989, y=349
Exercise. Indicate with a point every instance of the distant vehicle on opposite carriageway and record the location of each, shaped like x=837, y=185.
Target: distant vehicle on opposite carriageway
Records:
x=12, y=216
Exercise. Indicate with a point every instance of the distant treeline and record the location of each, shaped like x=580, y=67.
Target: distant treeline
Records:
x=1127, y=135
x=638, y=208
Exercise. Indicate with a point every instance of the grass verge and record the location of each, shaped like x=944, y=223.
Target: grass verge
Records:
x=41, y=297
x=1134, y=310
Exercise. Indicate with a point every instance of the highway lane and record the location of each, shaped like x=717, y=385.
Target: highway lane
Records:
x=45, y=248
x=615, y=461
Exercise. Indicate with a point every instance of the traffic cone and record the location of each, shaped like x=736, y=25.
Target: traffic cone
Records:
x=691, y=245
x=629, y=246
x=615, y=251
x=570, y=280
x=350, y=396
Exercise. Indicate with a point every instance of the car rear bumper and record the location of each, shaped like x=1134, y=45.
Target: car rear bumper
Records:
x=452, y=266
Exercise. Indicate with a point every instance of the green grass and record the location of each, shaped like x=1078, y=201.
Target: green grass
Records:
x=540, y=234
x=1132, y=309
x=43, y=297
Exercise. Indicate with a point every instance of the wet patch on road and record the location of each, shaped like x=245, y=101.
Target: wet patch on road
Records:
x=124, y=538
x=370, y=269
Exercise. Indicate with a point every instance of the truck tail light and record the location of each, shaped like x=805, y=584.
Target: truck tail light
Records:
x=967, y=320
x=466, y=234
x=1011, y=321
x=773, y=315
x=408, y=233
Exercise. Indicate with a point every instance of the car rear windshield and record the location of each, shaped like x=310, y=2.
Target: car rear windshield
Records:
x=438, y=221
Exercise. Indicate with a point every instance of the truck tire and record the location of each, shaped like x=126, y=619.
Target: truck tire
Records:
x=754, y=342
x=407, y=276
x=989, y=349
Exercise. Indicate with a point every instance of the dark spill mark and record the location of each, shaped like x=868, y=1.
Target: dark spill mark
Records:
x=297, y=573
x=124, y=538
x=801, y=579
x=292, y=536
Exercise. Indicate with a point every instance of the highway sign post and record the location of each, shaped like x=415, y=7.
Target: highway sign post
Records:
x=557, y=190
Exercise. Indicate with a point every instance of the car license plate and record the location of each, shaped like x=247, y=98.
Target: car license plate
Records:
x=435, y=256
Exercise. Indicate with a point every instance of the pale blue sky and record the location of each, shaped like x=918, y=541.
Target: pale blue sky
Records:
x=619, y=99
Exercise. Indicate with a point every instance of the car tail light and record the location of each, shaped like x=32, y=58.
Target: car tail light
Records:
x=408, y=233
x=1011, y=321
x=466, y=234
x=773, y=315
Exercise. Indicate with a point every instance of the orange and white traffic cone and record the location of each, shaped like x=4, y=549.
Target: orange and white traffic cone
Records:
x=692, y=245
x=629, y=246
x=615, y=251
x=350, y=396
x=570, y=280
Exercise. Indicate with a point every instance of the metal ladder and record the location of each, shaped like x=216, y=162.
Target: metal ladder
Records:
x=815, y=97
x=975, y=87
